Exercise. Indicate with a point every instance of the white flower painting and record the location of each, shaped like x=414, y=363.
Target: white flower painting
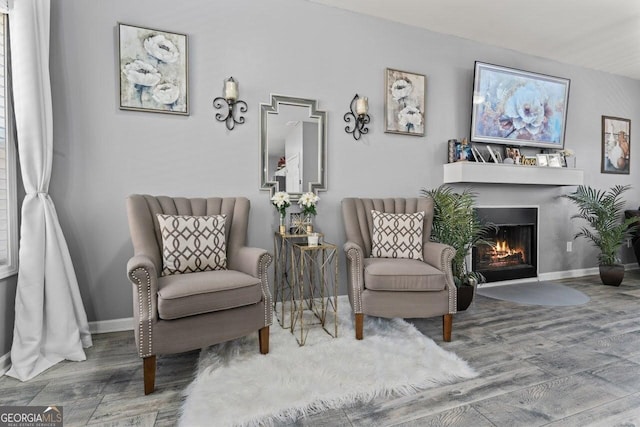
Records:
x=153, y=70
x=404, y=102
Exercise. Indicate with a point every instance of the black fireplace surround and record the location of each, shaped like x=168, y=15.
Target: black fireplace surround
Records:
x=515, y=251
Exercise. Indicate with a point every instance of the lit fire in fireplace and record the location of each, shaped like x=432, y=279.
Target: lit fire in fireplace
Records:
x=502, y=255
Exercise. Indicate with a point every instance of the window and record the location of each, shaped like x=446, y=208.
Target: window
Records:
x=8, y=202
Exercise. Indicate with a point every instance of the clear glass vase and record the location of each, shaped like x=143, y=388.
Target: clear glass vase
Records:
x=308, y=220
x=283, y=224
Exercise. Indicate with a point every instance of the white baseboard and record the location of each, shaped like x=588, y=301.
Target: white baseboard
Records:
x=632, y=266
x=114, y=325
x=568, y=274
x=5, y=363
x=557, y=275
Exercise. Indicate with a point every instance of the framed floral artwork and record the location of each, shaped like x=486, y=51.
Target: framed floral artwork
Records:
x=616, y=145
x=404, y=102
x=153, y=70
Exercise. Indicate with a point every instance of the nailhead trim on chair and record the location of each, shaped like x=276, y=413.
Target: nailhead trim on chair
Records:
x=141, y=314
x=264, y=262
x=446, y=266
x=357, y=292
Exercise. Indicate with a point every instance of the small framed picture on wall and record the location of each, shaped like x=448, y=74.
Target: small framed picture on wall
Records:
x=153, y=70
x=404, y=102
x=616, y=145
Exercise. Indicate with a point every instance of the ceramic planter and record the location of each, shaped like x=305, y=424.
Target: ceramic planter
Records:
x=612, y=275
x=465, y=296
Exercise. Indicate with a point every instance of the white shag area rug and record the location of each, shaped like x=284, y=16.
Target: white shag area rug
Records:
x=237, y=386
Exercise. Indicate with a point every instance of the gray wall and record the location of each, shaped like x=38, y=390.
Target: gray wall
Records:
x=289, y=47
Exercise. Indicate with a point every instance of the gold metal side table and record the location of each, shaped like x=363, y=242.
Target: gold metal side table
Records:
x=283, y=280
x=314, y=288
x=282, y=295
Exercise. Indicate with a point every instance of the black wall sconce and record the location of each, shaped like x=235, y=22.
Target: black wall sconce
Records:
x=233, y=105
x=359, y=108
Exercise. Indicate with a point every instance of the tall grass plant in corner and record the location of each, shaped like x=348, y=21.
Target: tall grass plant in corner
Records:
x=603, y=213
x=606, y=227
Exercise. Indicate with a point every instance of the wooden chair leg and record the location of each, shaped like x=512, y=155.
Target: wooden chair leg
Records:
x=447, y=324
x=149, y=368
x=263, y=338
x=359, y=325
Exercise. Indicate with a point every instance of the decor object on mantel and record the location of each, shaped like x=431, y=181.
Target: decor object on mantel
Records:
x=327, y=373
x=359, y=117
x=564, y=156
x=232, y=104
x=456, y=224
x=308, y=202
x=606, y=227
x=460, y=151
x=281, y=201
x=153, y=70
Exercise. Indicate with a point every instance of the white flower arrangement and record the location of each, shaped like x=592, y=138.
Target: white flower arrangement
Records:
x=281, y=201
x=308, y=202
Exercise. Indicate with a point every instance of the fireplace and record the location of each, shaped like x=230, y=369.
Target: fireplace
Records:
x=515, y=251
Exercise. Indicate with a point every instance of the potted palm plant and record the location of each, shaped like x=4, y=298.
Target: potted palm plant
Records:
x=606, y=228
x=455, y=223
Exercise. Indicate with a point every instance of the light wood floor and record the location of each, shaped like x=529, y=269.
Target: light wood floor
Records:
x=571, y=366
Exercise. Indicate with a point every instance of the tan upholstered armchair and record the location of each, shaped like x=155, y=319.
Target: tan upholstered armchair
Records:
x=181, y=312
x=394, y=287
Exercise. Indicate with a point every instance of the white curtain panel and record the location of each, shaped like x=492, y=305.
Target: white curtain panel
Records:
x=50, y=323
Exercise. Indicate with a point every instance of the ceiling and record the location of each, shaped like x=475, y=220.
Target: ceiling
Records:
x=596, y=34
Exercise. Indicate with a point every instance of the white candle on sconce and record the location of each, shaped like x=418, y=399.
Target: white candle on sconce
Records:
x=231, y=90
x=362, y=106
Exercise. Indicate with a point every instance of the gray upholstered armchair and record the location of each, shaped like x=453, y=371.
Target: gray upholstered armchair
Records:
x=394, y=287
x=181, y=312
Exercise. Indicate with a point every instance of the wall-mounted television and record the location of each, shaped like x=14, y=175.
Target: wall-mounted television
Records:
x=518, y=108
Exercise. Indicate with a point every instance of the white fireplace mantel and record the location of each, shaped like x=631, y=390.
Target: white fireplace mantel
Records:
x=491, y=173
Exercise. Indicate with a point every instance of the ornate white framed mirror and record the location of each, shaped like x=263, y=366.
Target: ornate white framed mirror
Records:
x=293, y=146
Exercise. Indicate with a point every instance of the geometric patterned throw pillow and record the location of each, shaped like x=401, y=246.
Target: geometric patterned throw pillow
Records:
x=397, y=235
x=192, y=243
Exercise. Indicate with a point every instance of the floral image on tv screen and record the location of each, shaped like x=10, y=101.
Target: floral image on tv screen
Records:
x=518, y=108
